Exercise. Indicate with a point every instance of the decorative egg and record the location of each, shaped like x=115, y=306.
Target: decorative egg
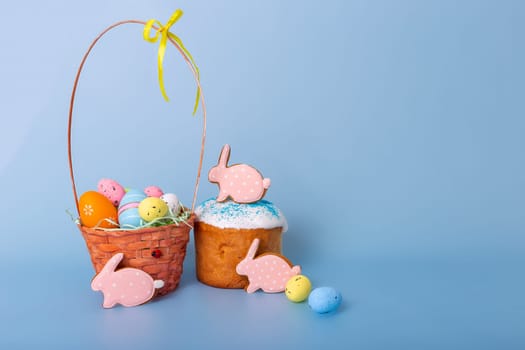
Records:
x=95, y=208
x=297, y=288
x=112, y=190
x=172, y=201
x=324, y=299
x=152, y=208
x=153, y=191
x=128, y=211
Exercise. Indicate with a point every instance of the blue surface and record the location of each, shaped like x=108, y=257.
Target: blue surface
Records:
x=392, y=132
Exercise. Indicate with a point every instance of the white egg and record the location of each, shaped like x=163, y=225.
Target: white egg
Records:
x=172, y=201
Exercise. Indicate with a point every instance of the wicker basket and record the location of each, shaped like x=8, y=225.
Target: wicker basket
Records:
x=137, y=245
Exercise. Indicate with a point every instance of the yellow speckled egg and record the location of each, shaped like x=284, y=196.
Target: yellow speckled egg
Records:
x=152, y=208
x=298, y=288
x=95, y=208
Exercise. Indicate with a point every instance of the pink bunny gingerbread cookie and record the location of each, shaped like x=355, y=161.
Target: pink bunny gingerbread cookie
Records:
x=241, y=182
x=127, y=286
x=269, y=272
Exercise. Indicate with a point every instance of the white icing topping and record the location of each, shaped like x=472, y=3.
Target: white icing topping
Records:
x=229, y=214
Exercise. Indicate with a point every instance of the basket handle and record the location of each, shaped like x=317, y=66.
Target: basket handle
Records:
x=72, y=102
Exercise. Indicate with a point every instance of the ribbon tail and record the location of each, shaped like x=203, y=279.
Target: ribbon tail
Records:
x=198, y=94
x=190, y=57
x=162, y=51
x=197, y=98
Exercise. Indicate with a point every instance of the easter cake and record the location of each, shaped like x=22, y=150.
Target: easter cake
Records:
x=224, y=232
x=225, y=227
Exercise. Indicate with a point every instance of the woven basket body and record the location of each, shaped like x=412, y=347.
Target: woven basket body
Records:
x=138, y=246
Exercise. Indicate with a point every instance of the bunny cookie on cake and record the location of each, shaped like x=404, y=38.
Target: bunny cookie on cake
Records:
x=127, y=286
x=269, y=272
x=241, y=182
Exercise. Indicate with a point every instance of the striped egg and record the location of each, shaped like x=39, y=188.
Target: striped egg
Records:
x=128, y=210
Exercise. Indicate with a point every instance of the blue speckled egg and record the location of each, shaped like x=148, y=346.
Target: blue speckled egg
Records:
x=324, y=299
x=128, y=212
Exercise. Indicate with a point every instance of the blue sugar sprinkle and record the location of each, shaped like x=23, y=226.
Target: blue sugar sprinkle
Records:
x=233, y=209
x=232, y=214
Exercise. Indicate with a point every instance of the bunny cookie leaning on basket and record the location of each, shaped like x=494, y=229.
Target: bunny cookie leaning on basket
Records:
x=138, y=261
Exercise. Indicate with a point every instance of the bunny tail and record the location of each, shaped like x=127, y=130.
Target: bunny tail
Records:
x=266, y=183
x=158, y=284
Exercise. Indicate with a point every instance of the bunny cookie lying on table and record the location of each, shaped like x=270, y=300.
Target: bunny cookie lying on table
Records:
x=127, y=286
x=269, y=271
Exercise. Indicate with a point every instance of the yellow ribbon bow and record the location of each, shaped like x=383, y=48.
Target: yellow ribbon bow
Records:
x=164, y=33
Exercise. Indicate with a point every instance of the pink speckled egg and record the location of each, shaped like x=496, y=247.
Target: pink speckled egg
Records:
x=153, y=191
x=112, y=190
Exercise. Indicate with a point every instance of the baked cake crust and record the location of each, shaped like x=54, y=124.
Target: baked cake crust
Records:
x=219, y=250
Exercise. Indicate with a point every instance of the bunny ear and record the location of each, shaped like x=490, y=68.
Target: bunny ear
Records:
x=112, y=263
x=253, y=249
x=225, y=155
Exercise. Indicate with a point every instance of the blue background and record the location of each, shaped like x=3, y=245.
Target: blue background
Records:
x=392, y=132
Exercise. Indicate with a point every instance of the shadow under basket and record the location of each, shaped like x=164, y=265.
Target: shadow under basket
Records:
x=138, y=246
